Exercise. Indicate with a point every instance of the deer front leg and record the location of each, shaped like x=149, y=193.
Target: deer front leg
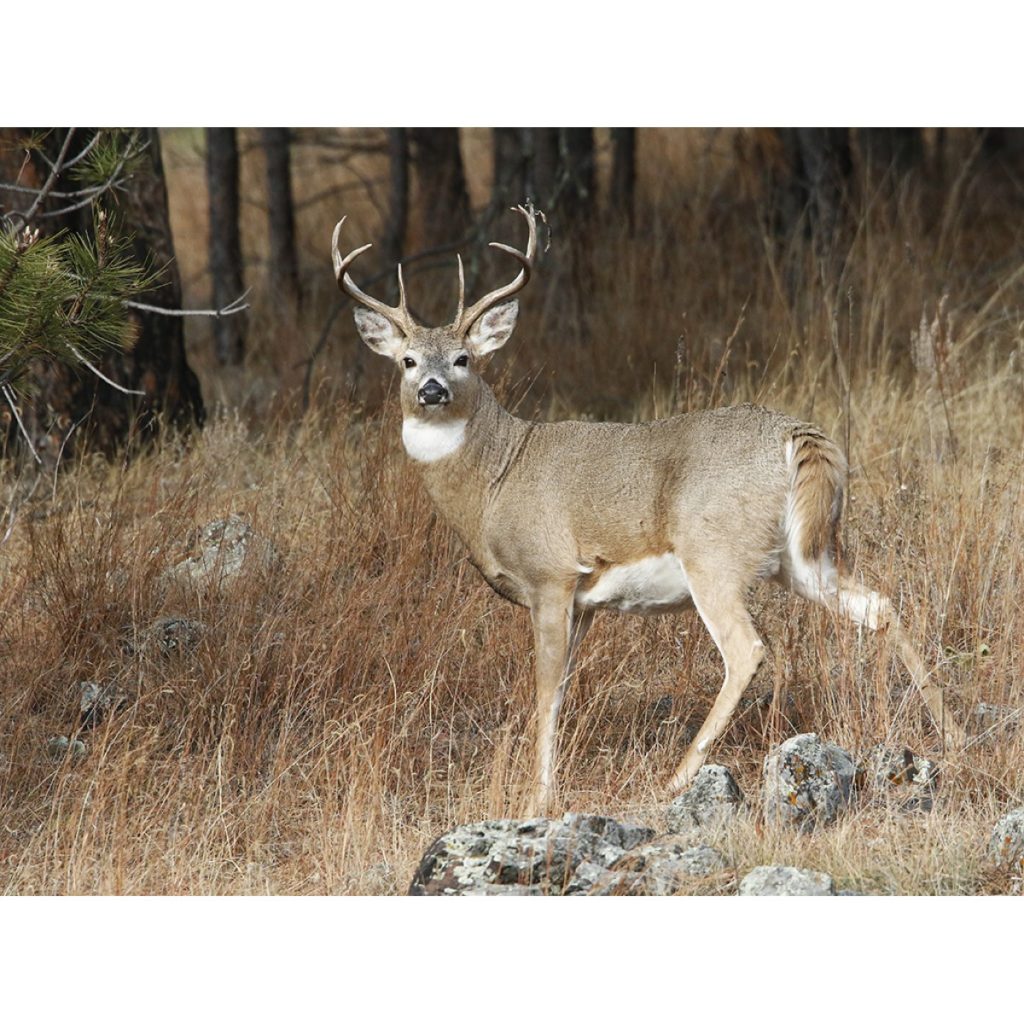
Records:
x=555, y=638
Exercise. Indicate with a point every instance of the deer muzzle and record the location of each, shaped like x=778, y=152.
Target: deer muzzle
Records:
x=433, y=393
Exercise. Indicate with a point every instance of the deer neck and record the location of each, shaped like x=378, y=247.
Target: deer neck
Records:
x=462, y=461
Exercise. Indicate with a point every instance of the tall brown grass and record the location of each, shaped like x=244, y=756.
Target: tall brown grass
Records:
x=369, y=691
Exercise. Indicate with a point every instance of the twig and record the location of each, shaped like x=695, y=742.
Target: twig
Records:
x=235, y=306
x=52, y=180
x=117, y=387
x=12, y=402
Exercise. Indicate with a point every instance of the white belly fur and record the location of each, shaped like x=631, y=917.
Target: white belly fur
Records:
x=647, y=587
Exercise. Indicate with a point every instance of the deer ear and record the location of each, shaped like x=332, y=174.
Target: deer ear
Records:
x=378, y=332
x=494, y=328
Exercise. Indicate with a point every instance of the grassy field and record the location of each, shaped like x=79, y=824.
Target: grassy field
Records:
x=367, y=691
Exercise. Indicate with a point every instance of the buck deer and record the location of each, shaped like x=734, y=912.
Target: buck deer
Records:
x=646, y=518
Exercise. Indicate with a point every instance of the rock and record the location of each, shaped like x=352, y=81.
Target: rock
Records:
x=59, y=747
x=659, y=868
x=903, y=776
x=536, y=852
x=1006, y=847
x=995, y=719
x=225, y=547
x=95, y=700
x=170, y=635
x=782, y=880
x=713, y=800
x=806, y=782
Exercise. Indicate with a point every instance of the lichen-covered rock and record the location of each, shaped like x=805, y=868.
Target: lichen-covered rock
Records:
x=226, y=546
x=902, y=776
x=536, y=852
x=659, y=868
x=59, y=747
x=95, y=700
x=713, y=800
x=995, y=719
x=782, y=880
x=1006, y=847
x=171, y=635
x=806, y=782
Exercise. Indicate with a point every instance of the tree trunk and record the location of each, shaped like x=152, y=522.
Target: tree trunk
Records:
x=541, y=159
x=225, y=241
x=509, y=187
x=398, y=196
x=577, y=172
x=70, y=407
x=892, y=149
x=443, y=199
x=623, y=183
x=283, y=273
x=820, y=165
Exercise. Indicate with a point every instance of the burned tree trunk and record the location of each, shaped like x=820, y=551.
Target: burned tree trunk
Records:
x=623, y=183
x=398, y=195
x=225, y=241
x=577, y=172
x=443, y=198
x=283, y=271
x=509, y=186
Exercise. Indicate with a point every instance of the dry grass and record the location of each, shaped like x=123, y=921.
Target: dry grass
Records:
x=346, y=706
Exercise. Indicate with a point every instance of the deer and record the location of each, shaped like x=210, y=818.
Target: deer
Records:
x=570, y=518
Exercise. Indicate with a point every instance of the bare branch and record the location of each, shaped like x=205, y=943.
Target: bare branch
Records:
x=12, y=402
x=236, y=306
x=52, y=180
x=102, y=376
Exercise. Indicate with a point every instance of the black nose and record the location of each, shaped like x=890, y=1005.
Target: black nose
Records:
x=433, y=393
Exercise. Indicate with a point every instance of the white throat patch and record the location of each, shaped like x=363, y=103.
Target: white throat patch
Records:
x=428, y=442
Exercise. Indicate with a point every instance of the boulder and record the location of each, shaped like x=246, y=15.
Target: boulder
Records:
x=97, y=699
x=712, y=801
x=899, y=775
x=995, y=719
x=806, y=782
x=225, y=546
x=1006, y=847
x=782, y=880
x=537, y=852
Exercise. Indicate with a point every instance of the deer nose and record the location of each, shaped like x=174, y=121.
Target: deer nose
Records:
x=433, y=393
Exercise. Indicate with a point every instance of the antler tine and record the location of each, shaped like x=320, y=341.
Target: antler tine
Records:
x=467, y=318
x=398, y=315
x=462, y=290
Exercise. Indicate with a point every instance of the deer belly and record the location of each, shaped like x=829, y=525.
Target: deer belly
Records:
x=649, y=586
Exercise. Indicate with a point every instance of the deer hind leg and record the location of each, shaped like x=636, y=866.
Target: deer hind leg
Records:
x=732, y=630
x=557, y=636
x=823, y=584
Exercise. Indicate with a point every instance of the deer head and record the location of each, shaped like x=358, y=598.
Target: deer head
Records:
x=438, y=364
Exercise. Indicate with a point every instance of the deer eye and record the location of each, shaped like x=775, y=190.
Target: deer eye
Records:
x=462, y=360
x=408, y=362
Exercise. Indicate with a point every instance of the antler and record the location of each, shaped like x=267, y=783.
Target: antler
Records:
x=465, y=318
x=399, y=315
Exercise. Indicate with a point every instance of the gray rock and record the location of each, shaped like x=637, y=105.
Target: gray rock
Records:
x=171, y=635
x=226, y=546
x=59, y=747
x=782, y=880
x=713, y=800
x=536, y=852
x=1006, y=847
x=995, y=719
x=902, y=776
x=659, y=868
x=96, y=699
x=806, y=782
